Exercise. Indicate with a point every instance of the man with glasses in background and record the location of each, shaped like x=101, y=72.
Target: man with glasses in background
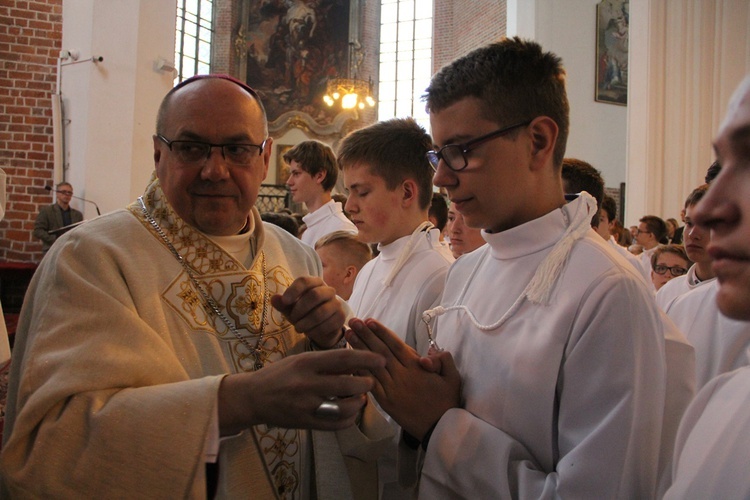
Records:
x=56, y=216
x=161, y=350
x=551, y=381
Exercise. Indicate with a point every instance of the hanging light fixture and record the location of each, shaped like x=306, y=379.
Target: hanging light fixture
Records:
x=350, y=92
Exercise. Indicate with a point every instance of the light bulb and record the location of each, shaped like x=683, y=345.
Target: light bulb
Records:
x=349, y=101
x=336, y=95
x=327, y=99
x=370, y=100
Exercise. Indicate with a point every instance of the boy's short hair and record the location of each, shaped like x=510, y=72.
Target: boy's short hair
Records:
x=695, y=196
x=515, y=80
x=284, y=221
x=439, y=210
x=656, y=226
x=609, y=205
x=581, y=176
x=313, y=157
x=351, y=250
x=672, y=248
x=395, y=150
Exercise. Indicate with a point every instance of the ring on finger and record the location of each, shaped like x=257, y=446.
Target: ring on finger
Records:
x=328, y=409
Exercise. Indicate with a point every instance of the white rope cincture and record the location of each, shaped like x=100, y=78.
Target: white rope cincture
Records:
x=540, y=287
x=423, y=228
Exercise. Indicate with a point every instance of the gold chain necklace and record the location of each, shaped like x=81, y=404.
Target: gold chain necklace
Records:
x=255, y=351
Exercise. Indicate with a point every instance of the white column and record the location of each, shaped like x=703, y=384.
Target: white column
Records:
x=110, y=107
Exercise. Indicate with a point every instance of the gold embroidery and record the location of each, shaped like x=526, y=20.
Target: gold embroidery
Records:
x=238, y=293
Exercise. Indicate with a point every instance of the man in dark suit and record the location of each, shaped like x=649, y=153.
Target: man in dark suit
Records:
x=55, y=216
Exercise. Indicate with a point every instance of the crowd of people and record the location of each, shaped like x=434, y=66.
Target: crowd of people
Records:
x=503, y=338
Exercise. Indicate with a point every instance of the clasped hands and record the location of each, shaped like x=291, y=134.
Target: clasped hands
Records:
x=416, y=391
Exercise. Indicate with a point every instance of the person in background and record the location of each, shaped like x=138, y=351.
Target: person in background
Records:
x=463, y=239
x=56, y=216
x=312, y=177
x=674, y=231
x=342, y=256
x=608, y=224
x=668, y=262
x=713, y=446
x=696, y=241
x=182, y=347
x=438, y=215
x=283, y=220
x=651, y=232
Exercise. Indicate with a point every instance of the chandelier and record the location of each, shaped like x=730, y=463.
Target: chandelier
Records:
x=350, y=92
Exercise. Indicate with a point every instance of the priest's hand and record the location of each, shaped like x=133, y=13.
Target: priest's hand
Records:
x=314, y=309
x=290, y=393
x=415, y=391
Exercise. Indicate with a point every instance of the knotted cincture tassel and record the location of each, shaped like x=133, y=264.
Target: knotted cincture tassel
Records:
x=540, y=287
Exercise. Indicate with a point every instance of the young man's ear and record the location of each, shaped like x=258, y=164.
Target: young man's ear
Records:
x=351, y=274
x=410, y=192
x=544, y=133
x=320, y=176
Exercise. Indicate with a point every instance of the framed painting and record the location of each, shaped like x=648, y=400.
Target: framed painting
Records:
x=292, y=48
x=282, y=167
x=612, y=20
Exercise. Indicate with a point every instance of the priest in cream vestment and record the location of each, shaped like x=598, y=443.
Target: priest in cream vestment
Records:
x=137, y=324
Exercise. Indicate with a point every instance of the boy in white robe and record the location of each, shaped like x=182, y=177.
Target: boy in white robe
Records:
x=389, y=181
x=604, y=227
x=390, y=190
x=722, y=344
x=168, y=336
x=713, y=445
x=558, y=384
x=312, y=176
x=695, y=240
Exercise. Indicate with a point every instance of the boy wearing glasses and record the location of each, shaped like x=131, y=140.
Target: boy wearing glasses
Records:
x=668, y=262
x=389, y=181
x=651, y=232
x=552, y=379
x=55, y=216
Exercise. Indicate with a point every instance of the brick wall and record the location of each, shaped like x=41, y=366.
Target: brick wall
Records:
x=30, y=41
x=463, y=25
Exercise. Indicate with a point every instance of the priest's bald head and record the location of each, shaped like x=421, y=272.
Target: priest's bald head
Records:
x=211, y=152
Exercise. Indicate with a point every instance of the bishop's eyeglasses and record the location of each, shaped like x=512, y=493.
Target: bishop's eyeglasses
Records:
x=198, y=151
x=454, y=155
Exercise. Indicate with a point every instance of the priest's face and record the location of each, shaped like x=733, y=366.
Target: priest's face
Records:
x=725, y=209
x=213, y=193
x=493, y=191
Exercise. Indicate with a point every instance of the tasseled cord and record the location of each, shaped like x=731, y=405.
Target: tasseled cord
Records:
x=540, y=287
